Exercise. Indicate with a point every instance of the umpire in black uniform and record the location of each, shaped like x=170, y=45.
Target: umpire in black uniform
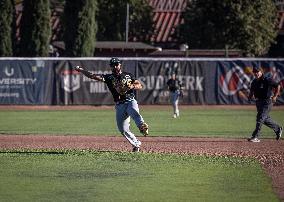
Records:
x=265, y=91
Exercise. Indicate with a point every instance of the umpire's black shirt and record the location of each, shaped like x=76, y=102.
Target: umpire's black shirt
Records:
x=263, y=87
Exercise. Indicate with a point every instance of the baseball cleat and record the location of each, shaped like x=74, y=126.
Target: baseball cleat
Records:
x=253, y=139
x=135, y=149
x=279, y=133
x=144, y=129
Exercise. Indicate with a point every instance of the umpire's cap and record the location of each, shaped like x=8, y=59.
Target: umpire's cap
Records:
x=114, y=62
x=256, y=69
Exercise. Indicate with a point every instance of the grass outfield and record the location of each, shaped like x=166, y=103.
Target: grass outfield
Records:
x=118, y=176
x=193, y=122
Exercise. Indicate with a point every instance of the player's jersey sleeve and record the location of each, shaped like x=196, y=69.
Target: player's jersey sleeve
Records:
x=105, y=77
x=109, y=80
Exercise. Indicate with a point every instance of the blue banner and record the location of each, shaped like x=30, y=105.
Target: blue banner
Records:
x=26, y=82
x=205, y=81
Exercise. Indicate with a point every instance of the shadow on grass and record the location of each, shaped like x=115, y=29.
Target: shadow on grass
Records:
x=62, y=152
x=33, y=152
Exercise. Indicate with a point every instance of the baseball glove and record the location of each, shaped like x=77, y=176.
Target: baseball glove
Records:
x=122, y=85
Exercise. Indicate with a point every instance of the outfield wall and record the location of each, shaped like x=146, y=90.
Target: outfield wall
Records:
x=52, y=81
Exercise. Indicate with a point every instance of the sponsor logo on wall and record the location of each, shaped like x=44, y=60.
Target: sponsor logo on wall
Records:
x=11, y=82
x=70, y=80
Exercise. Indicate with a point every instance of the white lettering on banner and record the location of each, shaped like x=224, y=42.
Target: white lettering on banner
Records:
x=98, y=87
x=150, y=82
x=198, y=85
x=160, y=82
x=193, y=83
x=142, y=81
x=189, y=82
x=19, y=81
x=95, y=86
x=9, y=73
x=10, y=95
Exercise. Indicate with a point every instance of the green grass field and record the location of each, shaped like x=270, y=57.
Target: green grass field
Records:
x=193, y=122
x=118, y=176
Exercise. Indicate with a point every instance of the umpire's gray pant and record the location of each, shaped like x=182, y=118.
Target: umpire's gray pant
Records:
x=263, y=108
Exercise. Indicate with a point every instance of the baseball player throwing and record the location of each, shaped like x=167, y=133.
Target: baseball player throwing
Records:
x=122, y=85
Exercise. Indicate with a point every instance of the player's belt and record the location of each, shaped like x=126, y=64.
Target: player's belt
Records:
x=123, y=101
x=263, y=99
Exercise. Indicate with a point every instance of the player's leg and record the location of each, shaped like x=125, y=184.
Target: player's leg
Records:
x=269, y=122
x=123, y=124
x=172, y=98
x=262, y=113
x=133, y=112
x=175, y=103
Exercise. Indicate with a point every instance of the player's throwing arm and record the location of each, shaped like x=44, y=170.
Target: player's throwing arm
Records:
x=89, y=74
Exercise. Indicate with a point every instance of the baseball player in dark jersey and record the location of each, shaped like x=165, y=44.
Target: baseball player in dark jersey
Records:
x=174, y=86
x=265, y=91
x=122, y=86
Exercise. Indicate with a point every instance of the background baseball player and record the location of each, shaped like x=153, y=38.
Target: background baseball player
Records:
x=122, y=86
x=174, y=86
x=265, y=91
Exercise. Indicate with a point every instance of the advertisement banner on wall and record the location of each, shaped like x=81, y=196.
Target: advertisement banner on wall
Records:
x=195, y=78
x=75, y=88
x=55, y=82
x=26, y=82
x=235, y=77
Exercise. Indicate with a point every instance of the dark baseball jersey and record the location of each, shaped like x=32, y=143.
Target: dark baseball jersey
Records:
x=263, y=88
x=111, y=82
x=174, y=84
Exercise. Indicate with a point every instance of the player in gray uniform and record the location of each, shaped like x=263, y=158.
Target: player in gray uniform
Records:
x=174, y=86
x=265, y=91
x=122, y=85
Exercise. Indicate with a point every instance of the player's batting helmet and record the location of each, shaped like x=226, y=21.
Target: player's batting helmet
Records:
x=114, y=62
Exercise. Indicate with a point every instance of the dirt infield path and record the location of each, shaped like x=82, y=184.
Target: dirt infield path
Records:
x=270, y=153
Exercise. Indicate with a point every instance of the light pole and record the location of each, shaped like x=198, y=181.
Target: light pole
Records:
x=127, y=23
